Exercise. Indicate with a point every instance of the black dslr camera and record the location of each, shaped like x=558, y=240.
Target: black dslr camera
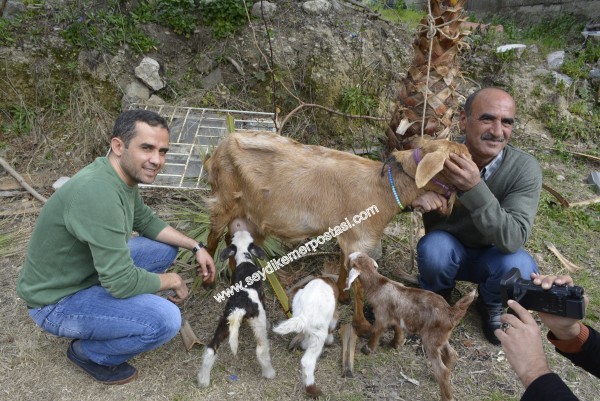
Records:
x=564, y=301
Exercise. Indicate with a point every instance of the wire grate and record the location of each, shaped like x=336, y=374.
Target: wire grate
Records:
x=194, y=133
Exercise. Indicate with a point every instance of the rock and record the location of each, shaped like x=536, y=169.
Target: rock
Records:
x=60, y=182
x=263, y=7
x=555, y=60
x=148, y=72
x=205, y=64
x=565, y=79
x=212, y=79
x=517, y=48
x=13, y=9
x=137, y=91
x=594, y=179
x=156, y=101
x=316, y=7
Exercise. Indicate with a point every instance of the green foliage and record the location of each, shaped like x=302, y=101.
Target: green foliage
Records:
x=398, y=13
x=106, y=29
x=555, y=33
x=21, y=121
x=584, y=127
x=577, y=63
x=356, y=101
x=223, y=16
x=6, y=35
x=179, y=15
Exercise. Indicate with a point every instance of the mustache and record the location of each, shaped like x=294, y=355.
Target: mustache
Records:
x=491, y=137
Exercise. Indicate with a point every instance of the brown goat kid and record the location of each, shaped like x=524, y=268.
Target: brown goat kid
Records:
x=413, y=310
x=294, y=191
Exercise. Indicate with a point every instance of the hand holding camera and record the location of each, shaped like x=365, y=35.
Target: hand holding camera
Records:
x=553, y=295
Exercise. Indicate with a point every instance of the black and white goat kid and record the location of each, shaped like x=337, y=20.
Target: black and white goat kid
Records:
x=245, y=305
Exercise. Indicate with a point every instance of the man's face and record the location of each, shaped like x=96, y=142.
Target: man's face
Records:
x=144, y=157
x=490, y=125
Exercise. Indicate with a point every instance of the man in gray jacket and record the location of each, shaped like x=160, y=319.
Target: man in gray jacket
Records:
x=498, y=193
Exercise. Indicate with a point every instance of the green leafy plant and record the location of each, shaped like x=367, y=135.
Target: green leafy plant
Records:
x=356, y=101
x=21, y=121
x=106, y=29
x=223, y=16
x=179, y=15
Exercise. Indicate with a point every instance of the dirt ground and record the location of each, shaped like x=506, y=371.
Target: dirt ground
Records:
x=35, y=366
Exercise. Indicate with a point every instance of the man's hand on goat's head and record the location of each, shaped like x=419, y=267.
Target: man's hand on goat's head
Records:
x=464, y=173
x=430, y=201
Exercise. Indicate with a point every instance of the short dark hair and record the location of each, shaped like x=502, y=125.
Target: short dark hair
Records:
x=469, y=102
x=124, y=127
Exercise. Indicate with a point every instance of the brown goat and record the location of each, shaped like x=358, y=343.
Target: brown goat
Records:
x=415, y=310
x=294, y=191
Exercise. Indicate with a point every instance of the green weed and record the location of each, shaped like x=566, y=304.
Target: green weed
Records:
x=223, y=16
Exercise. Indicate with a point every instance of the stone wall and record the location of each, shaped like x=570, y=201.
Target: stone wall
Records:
x=533, y=10
x=526, y=10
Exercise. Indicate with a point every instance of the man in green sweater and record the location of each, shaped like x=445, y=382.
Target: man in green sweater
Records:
x=85, y=277
x=498, y=193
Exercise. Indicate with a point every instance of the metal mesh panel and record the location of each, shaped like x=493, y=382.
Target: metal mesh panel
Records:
x=194, y=133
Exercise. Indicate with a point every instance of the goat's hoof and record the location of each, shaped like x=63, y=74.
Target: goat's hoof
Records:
x=203, y=382
x=348, y=373
x=269, y=373
x=313, y=391
x=366, y=349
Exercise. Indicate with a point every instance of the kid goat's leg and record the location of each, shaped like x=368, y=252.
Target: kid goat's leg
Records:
x=314, y=347
x=209, y=356
x=259, y=327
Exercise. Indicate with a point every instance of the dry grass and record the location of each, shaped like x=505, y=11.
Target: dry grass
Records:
x=37, y=369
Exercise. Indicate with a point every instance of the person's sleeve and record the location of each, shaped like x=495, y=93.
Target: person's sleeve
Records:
x=583, y=351
x=102, y=225
x=145, y=221
x=508, y=223
x=548, y=387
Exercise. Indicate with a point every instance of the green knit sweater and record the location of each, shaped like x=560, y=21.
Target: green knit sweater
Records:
x=499, y=211
x=80, y=239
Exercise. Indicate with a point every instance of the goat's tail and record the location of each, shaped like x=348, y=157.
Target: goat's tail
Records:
x=235, y=321
x=460, y=308
x=292, y=325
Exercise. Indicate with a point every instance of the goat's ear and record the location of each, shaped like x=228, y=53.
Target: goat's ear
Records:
x=256, y=251
x=228, y=252
x=427, y=168
x=352, y=275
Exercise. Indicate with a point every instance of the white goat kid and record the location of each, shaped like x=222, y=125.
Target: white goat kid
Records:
x=314, y=317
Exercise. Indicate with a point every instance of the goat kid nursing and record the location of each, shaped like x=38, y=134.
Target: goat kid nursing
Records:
x=295, y=191
x=415, y=310
x=245, y=305
x=314, y=317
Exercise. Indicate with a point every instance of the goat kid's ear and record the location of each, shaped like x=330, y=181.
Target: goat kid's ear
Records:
x=228, y=252
x=257, y=251
x=352, y=275
x=428, y=167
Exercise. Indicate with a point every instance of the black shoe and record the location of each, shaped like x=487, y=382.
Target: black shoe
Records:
x=120, y=374
x=490, y=319
x=446, y=293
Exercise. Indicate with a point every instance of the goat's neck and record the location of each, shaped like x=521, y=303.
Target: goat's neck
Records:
x=404, y=181
x=371, y=282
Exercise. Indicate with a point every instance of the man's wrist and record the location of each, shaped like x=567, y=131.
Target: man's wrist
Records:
x=199, y=246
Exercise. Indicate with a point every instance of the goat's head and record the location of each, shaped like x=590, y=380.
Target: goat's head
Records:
x=242, y=246
x=358, y=263
x=426, y=160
